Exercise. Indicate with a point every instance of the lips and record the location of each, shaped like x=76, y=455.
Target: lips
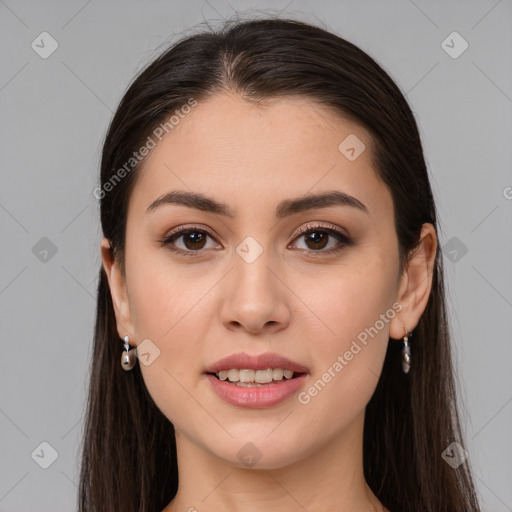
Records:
x=256, y=395
x=243, y=361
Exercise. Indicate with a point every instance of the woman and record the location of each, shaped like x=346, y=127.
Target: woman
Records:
x=270, y=250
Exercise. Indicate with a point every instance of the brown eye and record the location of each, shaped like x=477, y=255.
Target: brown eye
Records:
x=317, y=238
x=194, y=240
x=187, y=241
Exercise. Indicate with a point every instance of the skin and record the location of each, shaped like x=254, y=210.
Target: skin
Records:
x=293, y=299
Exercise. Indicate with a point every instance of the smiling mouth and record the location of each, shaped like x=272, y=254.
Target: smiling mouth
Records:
x=255, y=378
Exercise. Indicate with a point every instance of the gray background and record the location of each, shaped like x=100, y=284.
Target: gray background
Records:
x=54, y=114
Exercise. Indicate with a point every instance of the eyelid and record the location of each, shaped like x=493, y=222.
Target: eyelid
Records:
x=308, y=227
x=344, y=239
x=183, y=230
x=316, y=225
x=187, y=228
x=304, y=229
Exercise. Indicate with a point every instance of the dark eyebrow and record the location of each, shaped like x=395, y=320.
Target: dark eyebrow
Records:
x=314, y=201
x=192, y=200
x=284, y=209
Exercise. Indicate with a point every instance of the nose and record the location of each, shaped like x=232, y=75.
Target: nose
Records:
x=256, y=298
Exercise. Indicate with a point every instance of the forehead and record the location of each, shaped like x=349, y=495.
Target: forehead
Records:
x=252, y=156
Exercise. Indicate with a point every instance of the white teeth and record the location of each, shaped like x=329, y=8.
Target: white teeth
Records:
x=264, y=376
x=254, y=376
x=246, y=375
x=278, y=374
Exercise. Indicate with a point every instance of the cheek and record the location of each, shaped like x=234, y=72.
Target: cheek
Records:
x=163, y=295
x=171, y=306
x=349, y=300
x=356, y=308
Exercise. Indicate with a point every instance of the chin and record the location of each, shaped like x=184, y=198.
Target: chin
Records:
x=258, y=452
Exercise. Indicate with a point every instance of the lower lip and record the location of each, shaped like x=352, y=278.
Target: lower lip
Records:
x=258, y=396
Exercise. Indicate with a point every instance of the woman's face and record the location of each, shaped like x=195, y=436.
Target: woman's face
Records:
x=251, y=283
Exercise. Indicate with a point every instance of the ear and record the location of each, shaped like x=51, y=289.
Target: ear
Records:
x=415, y=284
x=118, y=291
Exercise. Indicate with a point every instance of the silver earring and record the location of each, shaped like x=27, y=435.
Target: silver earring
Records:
x=406, y=353
x=128, y=356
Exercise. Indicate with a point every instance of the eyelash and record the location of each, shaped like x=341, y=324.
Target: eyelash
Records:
x=343, y=239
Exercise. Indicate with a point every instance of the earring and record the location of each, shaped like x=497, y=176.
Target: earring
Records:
x=406, y=353
x=127, y=357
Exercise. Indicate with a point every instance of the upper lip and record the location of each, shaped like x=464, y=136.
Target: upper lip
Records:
x=255, y=362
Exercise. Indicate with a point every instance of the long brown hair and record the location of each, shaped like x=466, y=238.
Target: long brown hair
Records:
x=129, y=451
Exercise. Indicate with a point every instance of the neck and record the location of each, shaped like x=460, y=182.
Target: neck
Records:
x=331, y=477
